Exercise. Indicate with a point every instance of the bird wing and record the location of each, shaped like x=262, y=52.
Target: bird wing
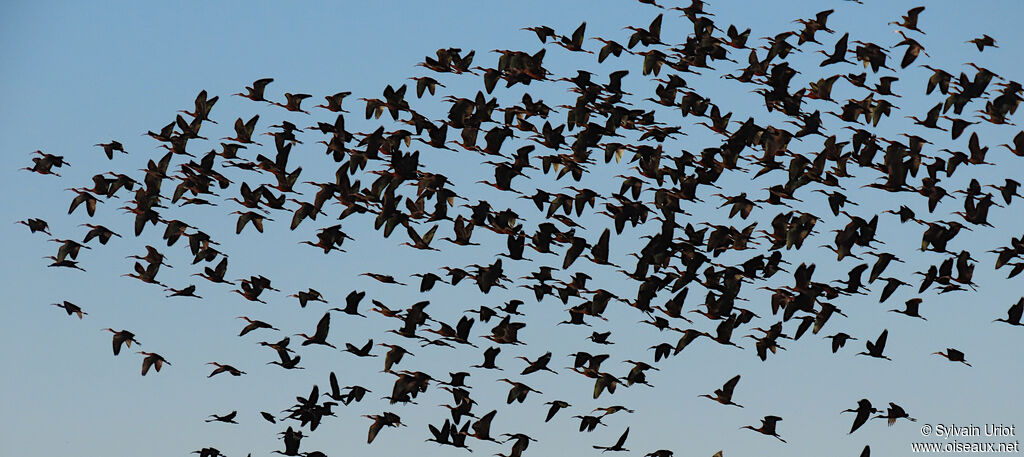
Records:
x=482, y=427
x=463, y=327
x=323, y=327
x=880, y=343
x=429, y=236
x=335, y=387
x=862, y=417
x=118, y=339
x=622, y=439
x=374, y=429
x=577, y=35
x=730, y=385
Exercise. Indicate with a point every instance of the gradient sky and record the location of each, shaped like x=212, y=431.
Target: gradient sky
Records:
x=80, y=73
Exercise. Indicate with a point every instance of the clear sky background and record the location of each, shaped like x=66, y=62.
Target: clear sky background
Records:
x=80, y=73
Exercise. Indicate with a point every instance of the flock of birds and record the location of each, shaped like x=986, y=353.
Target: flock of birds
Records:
x=378, y=178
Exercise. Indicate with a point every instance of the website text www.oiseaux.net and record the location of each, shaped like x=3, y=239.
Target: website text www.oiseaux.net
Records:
x=965, y=447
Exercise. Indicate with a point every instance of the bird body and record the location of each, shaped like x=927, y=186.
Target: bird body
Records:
x=154, y=360
x=320, y=336
x=619, y=444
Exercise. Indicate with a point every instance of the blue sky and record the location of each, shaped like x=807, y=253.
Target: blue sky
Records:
x=78, y=74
